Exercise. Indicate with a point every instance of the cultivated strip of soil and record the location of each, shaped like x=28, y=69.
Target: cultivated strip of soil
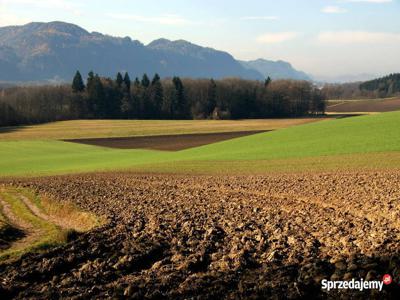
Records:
x=218, y=237
x=164, y=142
x=366, y=106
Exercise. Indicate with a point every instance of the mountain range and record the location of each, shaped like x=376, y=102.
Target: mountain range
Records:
x=275, y=69
x=54, y=51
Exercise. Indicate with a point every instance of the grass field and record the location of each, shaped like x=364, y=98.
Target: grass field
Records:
x=365, y=134
x=322, y=145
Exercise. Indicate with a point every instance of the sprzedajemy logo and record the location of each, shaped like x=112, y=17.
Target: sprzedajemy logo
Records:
x=353, y=284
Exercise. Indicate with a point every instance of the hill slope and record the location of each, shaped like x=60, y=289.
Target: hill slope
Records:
x=42, y=51
x=384, y=87
x=55, y=50
x=365, y=134
x=362, y=142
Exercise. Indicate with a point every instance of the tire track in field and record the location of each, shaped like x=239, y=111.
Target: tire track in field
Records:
x=41, y=215
x=32, y=234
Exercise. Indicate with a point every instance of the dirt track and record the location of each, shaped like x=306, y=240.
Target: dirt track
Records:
x=164, y=142
x=366, y=106
x=182, y=237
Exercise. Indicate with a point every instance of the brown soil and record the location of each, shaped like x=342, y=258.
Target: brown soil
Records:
x=164, y=142
x=198, y=237
x=366, y=106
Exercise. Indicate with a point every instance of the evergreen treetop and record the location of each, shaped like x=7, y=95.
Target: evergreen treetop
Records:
x=77, y=84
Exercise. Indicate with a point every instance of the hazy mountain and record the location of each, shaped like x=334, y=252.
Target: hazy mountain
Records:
x=54, y=51
x=43, y=51
x=275, y=69
x=344, y=78
x=190, y=60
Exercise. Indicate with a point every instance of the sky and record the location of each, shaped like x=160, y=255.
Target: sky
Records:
x=326, y=38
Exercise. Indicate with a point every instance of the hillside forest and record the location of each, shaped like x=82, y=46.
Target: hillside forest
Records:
x=384, y=87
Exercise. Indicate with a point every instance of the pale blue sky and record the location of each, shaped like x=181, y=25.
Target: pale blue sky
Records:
x=321, y=37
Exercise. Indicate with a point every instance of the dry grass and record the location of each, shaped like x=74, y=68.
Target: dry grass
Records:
x=70, y=215
x=126, y=128
x=44, y=222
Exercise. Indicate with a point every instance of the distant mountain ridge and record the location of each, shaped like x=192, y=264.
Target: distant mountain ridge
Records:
x=54, y=51
x=349, y=78
x=275, y=69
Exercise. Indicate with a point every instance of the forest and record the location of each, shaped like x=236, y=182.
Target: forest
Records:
x=384, y=87
x=156, y=98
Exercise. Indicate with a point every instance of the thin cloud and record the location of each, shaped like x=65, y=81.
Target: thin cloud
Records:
x=334, y=10
x=276, y=37
x=163, y=19
x=260, y=18
x=357, y=37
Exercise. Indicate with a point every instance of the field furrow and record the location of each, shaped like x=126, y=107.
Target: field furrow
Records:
x=216, y=236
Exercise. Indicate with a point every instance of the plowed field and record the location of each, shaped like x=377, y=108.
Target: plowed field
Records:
x=165, y=142
x=376, y=105
x=205, y=237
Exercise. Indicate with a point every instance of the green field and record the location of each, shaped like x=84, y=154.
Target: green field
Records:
x=359, y=142
x=364, y=134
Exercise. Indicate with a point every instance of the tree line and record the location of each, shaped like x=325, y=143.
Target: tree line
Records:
x=383, y=87
x=154, y=98
x=388, y=86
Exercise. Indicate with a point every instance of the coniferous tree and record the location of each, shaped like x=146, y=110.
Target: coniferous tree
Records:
x=96, y=95
x=156, y=96
x=77, y=103
x=100, y=97
x=112, y=98
x=137, y=98
x=119, y=80
x=127, y=101
x=179, y=103
x=211, y=97
x=267, y=81
x=145, y=81
x=146, y=105
x=77, y=83
x=127, y=81
x=156, y=79
x=89, y=94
